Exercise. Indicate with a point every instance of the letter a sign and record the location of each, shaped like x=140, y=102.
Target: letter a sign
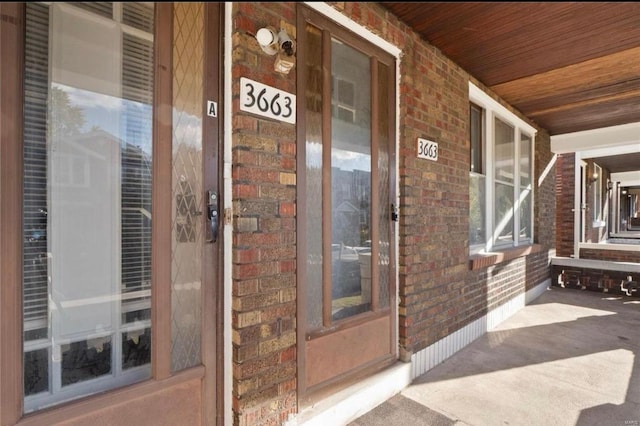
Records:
x=212, y=109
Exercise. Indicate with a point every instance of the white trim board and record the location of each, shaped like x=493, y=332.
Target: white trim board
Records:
x=431, y=356
x=626, y=138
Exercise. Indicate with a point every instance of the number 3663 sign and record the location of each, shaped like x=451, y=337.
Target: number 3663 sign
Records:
x=427, y=149
x=267, y=101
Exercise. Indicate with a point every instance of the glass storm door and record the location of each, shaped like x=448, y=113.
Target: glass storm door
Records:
x=90, y=179
x=347, y=282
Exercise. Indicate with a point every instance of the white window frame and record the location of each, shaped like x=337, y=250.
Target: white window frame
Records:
x=494, y=110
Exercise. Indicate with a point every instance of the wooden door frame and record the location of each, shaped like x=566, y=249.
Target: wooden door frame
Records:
x=310, y=394
x=11, y=94
x=213, y=300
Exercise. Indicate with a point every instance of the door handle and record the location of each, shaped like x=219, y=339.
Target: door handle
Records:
x=394, y=213
x=212, y=215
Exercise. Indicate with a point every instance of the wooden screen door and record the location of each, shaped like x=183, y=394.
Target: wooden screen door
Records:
x=346, y=187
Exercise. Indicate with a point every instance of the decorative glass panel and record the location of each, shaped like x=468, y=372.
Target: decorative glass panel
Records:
x=188, y=201
x=384, y=210
x=313, y=190
x=350, y=185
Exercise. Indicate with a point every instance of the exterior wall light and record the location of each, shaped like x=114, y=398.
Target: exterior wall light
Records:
x=280, y=44
x=268, y=40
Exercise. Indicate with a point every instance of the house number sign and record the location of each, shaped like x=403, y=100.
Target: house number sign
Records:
x=427, y=149
x=267, y=101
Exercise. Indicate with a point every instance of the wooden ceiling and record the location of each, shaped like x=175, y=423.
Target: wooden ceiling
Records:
x=568, y=66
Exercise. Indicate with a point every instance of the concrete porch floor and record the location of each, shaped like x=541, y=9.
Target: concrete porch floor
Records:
x=570, y=357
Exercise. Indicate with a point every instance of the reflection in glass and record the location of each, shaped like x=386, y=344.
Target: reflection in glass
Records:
x=36, y=371
x=504, y=213
x=504, y=152
x=526, y=219
x=86, y=359
x=87, y=199
x=313, y=190
x=525, y=160
x=476, y=139
x=136, y=348
x=350, y=180
x=477, y=208
x=504, y=181
x=384, y=213
x=525, y=215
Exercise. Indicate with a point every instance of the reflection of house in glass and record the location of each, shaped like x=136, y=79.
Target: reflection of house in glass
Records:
x=351, y=201
x=100, y=186
x=350, y=233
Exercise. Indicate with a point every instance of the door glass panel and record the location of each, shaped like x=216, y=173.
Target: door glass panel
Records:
x=187, y=195
x=350, y=180
x=87, y=201
x=384, y=212
x=313, y=190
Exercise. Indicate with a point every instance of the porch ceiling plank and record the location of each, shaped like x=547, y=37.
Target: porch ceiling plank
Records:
x=619, y=90
x=631, y=94
x=595, y=116
x=608, y=72
x=551, y=60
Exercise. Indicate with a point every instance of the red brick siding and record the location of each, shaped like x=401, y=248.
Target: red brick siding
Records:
x=545, y=165
x=610, y=255
x=264, y=251
x=438, y=292
x=565, y=193
x=594, y=279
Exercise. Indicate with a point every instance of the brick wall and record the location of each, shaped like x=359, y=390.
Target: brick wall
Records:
x=545, y=184
x=613, y=282
x=565, y=193
x=264, y=251
x=610, y=255
x=437, y=290
x=434, y=201
x=438, y=293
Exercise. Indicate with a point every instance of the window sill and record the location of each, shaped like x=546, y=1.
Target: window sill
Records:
x=484, y=260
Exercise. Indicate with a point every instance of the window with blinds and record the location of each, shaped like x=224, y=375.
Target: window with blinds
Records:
x=88, y=92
